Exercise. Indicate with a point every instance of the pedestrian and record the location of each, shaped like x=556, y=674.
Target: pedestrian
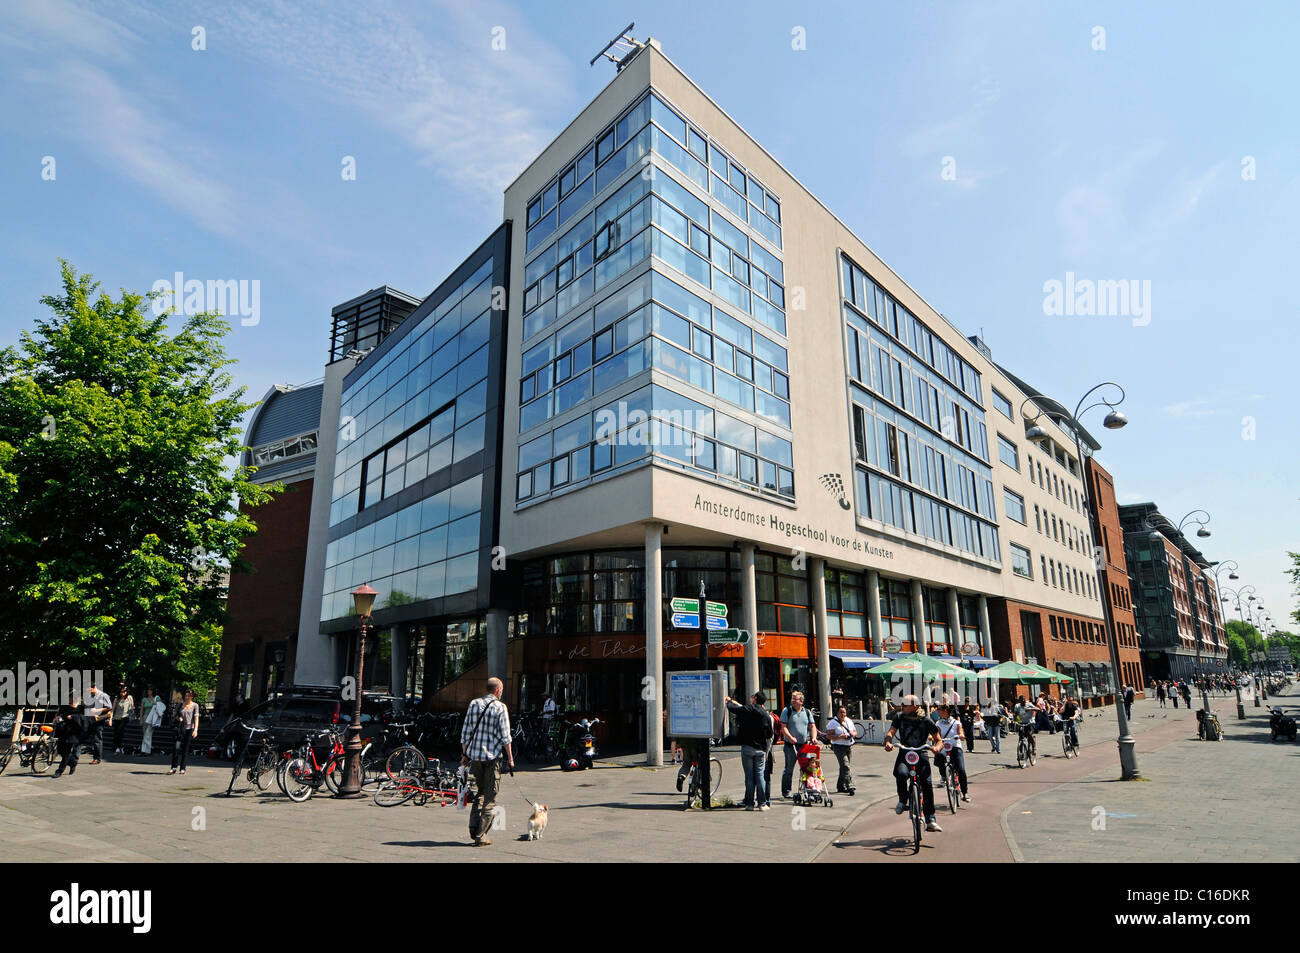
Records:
x=994, y=712
x=1129, y=695
x=187, y=729
x=755, y=733
x=797, y=730
x=1160, y=693
x=1187, y=695
x=842, y=733
x=1173, y=693
x=152, y=707
x=123, y=708
x=967, y=718
x=70, y=727
x=99, y=707
x=484, y=737
x=771, y=760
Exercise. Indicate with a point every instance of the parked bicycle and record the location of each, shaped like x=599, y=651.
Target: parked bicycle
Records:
x=694, y=783
x=302, y=775
x=432, y=782
x=256, y=762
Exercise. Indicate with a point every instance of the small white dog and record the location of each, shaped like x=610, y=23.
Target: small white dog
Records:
x=537, y=823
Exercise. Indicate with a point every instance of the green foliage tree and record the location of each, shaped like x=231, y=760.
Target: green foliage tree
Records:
x=118, y=512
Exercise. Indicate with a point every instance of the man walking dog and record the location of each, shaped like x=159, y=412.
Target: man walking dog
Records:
x=483, y=736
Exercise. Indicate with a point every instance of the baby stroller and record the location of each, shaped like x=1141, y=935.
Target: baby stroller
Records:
x=812, y=783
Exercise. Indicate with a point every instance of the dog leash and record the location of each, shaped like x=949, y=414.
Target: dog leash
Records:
x=519, y=787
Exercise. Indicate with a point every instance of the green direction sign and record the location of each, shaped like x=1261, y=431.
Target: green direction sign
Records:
x=728, y=636
x=717, y=608
x=686, y=605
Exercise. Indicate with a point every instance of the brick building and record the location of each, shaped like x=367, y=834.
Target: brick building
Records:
x=1110, y=545
x=260, y=636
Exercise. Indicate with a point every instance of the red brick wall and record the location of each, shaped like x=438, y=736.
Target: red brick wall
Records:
x=1101, y=487
x=263, y=604
x=1011, y=643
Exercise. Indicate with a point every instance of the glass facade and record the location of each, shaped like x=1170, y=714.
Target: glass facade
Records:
x=417, y=430
x=668, y=258
x=918, y=424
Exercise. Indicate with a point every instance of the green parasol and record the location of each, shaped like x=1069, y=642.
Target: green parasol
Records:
x=1026, y=673
x=918, y=664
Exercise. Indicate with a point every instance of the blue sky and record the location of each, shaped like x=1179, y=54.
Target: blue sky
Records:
x=1170, y=156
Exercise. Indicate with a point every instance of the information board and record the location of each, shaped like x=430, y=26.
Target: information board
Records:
x=693, y=704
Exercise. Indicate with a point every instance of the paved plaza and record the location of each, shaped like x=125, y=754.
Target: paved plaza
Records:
x=1200, y=800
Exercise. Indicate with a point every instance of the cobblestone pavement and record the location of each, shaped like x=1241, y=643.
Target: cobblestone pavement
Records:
x=130, y=809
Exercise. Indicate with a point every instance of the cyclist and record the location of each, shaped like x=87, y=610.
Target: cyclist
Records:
x=1070, y=714
x=914, y=730
x=1026, y=717
x=952, y=731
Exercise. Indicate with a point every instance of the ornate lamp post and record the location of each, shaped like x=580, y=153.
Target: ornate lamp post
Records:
x=363, y=600
x=1114, y=420
x=1230, y=566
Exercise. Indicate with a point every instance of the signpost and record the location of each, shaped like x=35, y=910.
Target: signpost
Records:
x=686, y=620
x=686, y=605
x=722, y=636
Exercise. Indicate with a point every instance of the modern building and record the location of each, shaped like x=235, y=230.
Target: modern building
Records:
x=412, y=503
x=674, y=368
x=1176, y=602
x=719, y=383
x=1060, y=625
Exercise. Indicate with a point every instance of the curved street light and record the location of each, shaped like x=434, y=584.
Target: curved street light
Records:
x=1203, y=533
x=1114, y=420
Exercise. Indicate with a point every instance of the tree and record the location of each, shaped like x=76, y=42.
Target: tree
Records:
x=1294, y=573
x=118, y=515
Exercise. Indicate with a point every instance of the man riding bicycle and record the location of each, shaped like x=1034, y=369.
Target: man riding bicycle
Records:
x=914, y=730
x=1026, y=717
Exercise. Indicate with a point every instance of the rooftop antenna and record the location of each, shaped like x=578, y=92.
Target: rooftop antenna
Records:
x=620, y=49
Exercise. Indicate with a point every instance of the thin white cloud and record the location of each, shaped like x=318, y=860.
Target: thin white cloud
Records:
x=427, y=73
x=1190, y=408
x=60, y=27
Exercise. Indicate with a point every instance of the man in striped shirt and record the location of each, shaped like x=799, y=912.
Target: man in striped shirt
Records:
x=484, y=734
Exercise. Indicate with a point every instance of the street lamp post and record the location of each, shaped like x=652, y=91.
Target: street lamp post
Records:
x=1230, y=567
x=363, y=599
x=1114, y=420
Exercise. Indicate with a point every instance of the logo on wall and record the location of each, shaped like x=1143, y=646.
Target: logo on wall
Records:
x=834, y=483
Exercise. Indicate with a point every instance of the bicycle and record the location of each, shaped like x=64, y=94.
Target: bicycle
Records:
x=1069, y=739
x=949, y=778
x=301, y=776
x=431, y=782
x=261, y=767
x=35, y=751
x=692, y=783
x=912, y=757
x=1026, y=746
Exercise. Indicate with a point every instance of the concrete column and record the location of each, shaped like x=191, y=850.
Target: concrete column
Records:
x=654, y=643
x=874, y=623
x=749, y=616
x=400, y=636
x=498, y=633
x=817, y=582
x=918, y=619
x=954, y=621
x=986, y=637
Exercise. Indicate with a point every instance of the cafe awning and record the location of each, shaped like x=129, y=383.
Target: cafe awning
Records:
x=853, y=659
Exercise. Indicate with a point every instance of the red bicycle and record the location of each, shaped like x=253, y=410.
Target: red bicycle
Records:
x=301, y=775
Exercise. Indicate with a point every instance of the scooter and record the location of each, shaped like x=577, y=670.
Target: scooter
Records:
x=580, y=747
x=1281, y=725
